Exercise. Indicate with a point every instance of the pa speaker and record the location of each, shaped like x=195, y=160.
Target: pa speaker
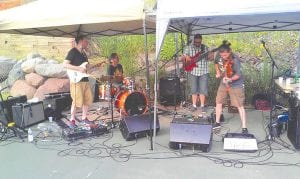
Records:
x=293, y=130
x=169, y=91
x=133, y=127
x=26, y=115
x=185, y=133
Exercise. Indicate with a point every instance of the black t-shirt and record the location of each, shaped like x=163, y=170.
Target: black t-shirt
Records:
x=76, y=58
x=117, y=70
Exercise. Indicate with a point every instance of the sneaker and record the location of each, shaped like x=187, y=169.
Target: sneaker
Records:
x=244, y=131
x=193, y=109
x=216, y=126
x=72, y=124
x=203, y=109
x=87, y=122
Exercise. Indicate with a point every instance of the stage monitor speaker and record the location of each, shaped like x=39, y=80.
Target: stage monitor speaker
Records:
x=293, y=129
x=7, y=105
x=185, y=133
x=28, y=114
x=133, y=127
x=169, y=91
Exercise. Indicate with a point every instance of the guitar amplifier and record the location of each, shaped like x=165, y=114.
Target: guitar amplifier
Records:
x=293, y=130
x=27, y=114
x=7, y=106
x=58, y=102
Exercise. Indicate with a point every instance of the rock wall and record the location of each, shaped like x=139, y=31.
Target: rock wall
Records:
x=35, y=76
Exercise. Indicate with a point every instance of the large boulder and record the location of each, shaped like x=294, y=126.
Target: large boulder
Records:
x=6, y=64
x=15, y=74
x=29, y=65
x=52, y=61
x=21, y=87
x=51, y=70
x=52, y=85
x=33, y=55
x=34, y=79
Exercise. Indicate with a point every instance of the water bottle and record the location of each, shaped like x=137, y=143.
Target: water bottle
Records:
x=30, y=135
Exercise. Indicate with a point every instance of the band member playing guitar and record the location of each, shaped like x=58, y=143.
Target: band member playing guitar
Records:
x=228, y=67
x=198, y=77
x=81, y=92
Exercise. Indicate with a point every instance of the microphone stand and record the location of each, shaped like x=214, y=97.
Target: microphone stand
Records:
x=111, y=95
x=271, y=134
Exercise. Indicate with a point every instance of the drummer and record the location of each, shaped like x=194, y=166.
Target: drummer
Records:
x=115, y=69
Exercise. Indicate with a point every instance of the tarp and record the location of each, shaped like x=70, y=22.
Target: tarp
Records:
x=219, y=16
x=67, y=18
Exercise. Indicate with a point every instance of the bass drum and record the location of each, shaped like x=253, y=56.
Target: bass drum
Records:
x=131, y=103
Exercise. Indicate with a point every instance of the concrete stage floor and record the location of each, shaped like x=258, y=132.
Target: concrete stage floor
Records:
x=110, y=156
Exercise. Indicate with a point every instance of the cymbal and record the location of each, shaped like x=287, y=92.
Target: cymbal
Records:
x=115, y=79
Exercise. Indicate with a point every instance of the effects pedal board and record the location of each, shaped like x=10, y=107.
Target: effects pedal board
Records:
x=239, y=142
x=83, y=132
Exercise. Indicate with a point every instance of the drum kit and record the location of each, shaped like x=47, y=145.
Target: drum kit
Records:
x=122, y=93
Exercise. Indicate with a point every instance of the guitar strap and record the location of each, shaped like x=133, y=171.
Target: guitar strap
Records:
x=202, y=50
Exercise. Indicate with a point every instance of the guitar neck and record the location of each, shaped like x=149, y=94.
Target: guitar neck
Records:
x=201, y=56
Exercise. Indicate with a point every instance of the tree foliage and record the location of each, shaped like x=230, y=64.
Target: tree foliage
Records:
x=255, y=61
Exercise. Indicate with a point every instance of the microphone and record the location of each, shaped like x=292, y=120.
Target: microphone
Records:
x=262, y=41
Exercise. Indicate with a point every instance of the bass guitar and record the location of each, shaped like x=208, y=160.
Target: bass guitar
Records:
x=75, y=76
x=191, y=62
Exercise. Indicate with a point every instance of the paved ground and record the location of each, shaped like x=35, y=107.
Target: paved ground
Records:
x=110, y=156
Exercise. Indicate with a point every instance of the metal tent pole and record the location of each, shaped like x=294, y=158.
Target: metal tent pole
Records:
x=148, y=84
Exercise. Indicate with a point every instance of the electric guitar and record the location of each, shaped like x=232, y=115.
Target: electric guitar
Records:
x=75, y=76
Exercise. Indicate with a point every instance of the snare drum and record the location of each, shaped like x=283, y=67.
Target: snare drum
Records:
x=131, y=103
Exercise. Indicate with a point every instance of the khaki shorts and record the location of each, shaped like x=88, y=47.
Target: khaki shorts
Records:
x=237, y=95
x=81, y=93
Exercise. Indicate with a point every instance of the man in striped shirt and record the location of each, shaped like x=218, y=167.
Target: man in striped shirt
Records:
x=198, y=77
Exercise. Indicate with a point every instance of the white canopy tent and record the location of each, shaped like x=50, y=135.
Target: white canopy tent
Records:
x=219, y=16
x=68, y=18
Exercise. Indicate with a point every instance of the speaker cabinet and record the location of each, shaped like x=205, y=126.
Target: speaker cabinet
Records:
x=26, y=115
x=184, y=133
x=7, y=106
x=133, y=127
x=169, y=91
x=293, y=130
x=58, y=102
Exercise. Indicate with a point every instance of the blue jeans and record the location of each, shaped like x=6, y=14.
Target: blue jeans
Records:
x=199, y=84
